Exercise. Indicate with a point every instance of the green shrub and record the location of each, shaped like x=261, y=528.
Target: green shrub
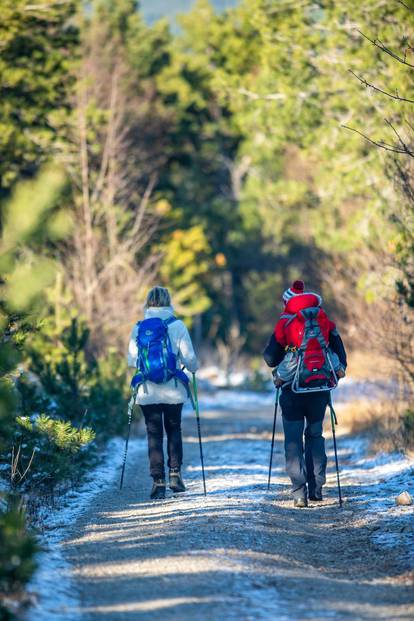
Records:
x=17, y=555
x=66, y=381
x=48, y=452
x=57, y=359
x=108, y=396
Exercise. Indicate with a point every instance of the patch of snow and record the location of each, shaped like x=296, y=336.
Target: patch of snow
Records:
x=383, y=477
x=213, y=379
x=214, y=397
x=52, y=585
x=216, y=377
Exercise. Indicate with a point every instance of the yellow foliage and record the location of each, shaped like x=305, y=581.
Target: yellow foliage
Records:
x=162, y=207
x=186, y=259
x=220, y=259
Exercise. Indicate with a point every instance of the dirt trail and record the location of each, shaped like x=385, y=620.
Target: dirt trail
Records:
x=238, y=554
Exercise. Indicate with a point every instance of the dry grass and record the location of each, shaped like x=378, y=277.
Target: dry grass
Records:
x=390, y=424
x=368, y=364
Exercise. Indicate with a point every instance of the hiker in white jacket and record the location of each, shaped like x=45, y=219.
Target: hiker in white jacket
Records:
x=162, y=403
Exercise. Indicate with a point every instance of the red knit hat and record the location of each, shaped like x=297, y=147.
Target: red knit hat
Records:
x=297, y=288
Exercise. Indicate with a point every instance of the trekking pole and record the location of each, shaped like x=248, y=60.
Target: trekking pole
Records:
x=130, y=408
x=197, y=412
x=334, y=421
x=273, y=437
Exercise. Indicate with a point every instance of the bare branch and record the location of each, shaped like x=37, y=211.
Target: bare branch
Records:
x=143, y=205
x=382, y=145
x=405, y=5
x=22, y=476
x=380, y=45
x=274, y=96
x=45, y=7
x=379, y=90
x=256, y=96
x=400, y=140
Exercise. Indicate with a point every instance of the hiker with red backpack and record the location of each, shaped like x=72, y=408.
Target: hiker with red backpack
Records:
x=159, y=347
x=309, y=358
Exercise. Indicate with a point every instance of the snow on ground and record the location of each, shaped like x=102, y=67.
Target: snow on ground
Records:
x=214, y=396
x=52, y=583
x=382, y=476
x=228, y=389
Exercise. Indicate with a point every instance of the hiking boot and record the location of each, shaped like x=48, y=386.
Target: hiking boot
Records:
x=158, y=490
x=300, y=503
x=316, y=496
x=176, y=481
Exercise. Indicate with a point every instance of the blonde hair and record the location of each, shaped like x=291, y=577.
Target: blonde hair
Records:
x=158, y=296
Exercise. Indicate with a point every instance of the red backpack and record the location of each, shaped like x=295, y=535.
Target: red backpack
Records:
x=304, y=327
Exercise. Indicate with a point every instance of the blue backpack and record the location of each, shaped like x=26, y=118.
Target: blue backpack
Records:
x=156, y=360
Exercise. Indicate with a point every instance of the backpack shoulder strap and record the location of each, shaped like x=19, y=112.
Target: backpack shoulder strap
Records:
x=137, y=325
x=170, y=320
x=289, y=318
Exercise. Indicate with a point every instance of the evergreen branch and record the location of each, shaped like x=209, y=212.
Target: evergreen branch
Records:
x=380, y=90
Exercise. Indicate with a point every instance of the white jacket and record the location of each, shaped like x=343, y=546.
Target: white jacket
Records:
x=171, y=392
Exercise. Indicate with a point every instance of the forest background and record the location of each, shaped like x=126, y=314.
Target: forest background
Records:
x=221, y=157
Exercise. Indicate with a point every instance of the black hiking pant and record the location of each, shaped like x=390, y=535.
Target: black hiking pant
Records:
x=305, y=461
x=157, y=417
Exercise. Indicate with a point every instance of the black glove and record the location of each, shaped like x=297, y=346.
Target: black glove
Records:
x=276, y=379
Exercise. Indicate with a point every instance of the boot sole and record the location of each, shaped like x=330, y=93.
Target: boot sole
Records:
x=158, y=497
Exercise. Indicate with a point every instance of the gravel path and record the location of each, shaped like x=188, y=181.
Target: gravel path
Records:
x=238, y=554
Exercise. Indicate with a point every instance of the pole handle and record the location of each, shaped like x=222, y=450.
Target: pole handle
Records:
x=333, y=413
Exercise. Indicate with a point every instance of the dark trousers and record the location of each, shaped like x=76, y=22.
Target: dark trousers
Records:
x=305, y=462
x=155, y=415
